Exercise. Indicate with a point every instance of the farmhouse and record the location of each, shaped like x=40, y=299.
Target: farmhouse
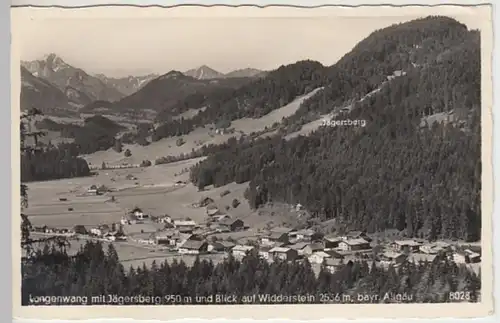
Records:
x=145, y=238
x=222, y=246
x=331, y=241
x=232, y=224
x=332, y=265
x=406, y=245
x=356, y=235
x=310, y=248
x=474, y=257
x=100, y=230
x=185, y=226
x=165, y=219
x=194, y=247
x=320, y=256
x=391, y=257
x=434, y=248
x=212, y=209
x=241, y=251
x=264, y=252
x=466, y=257
x=354, y=244
x=138, y=214
x=221, y=229
x=166, y=237
x=221, y=217
x=305, y=235
x=205, y=201
x=274, y=238
x=281, y=253
x=299, y=246
x=92, y=190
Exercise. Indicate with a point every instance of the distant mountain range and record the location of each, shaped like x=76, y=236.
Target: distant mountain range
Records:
x=56, y=87
x=127, y=85
x=207, y=73
x=168, y=92
x=82, y=89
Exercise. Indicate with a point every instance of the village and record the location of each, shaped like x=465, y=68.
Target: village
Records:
x=216, y=236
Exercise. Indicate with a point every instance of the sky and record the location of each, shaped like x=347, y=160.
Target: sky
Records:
x=142, y=45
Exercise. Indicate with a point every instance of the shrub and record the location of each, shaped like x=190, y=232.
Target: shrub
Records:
x=127, y=153
x=179, y=142
x=146, y=163
x=235, y=203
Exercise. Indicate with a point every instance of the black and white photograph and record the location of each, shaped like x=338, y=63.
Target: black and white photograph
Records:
x=232, y=160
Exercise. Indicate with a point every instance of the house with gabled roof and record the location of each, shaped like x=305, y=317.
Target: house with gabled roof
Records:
x=310, y=248
x=223, y=245
x=305, y=235
x=331, y=241
x=138, y=213
x=193, y=247
x=240, y=251
x=318, y=257
x=354, y=244
x=283, y=253
x=232, y=224
x=466, y=256
x=93, y=190
x=356, y=235
x=274, y=238
x=332, y=265
x=392, y=258
x=434, y=248
x=406, y=245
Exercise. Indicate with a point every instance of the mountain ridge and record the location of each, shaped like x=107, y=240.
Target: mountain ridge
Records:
x=79, y=86
x=205, y=72
x=39, y=93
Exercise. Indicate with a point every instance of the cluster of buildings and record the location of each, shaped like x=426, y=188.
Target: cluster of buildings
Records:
x=332, y=252
x=186, y=237
x=55, y=231
x=106, y=232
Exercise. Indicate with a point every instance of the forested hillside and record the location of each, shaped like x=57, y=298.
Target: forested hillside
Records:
x=393, y=173
x=96, y=133
x=402, y=47
x=40, y=162
x=254, y=99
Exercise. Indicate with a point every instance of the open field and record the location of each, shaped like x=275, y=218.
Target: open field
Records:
x=45, y=208
x=152, y=190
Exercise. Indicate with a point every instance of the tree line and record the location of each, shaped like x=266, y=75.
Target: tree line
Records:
x=95, y=134
x=95, y=270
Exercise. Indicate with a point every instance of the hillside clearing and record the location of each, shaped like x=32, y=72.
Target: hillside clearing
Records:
x=194, y=140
